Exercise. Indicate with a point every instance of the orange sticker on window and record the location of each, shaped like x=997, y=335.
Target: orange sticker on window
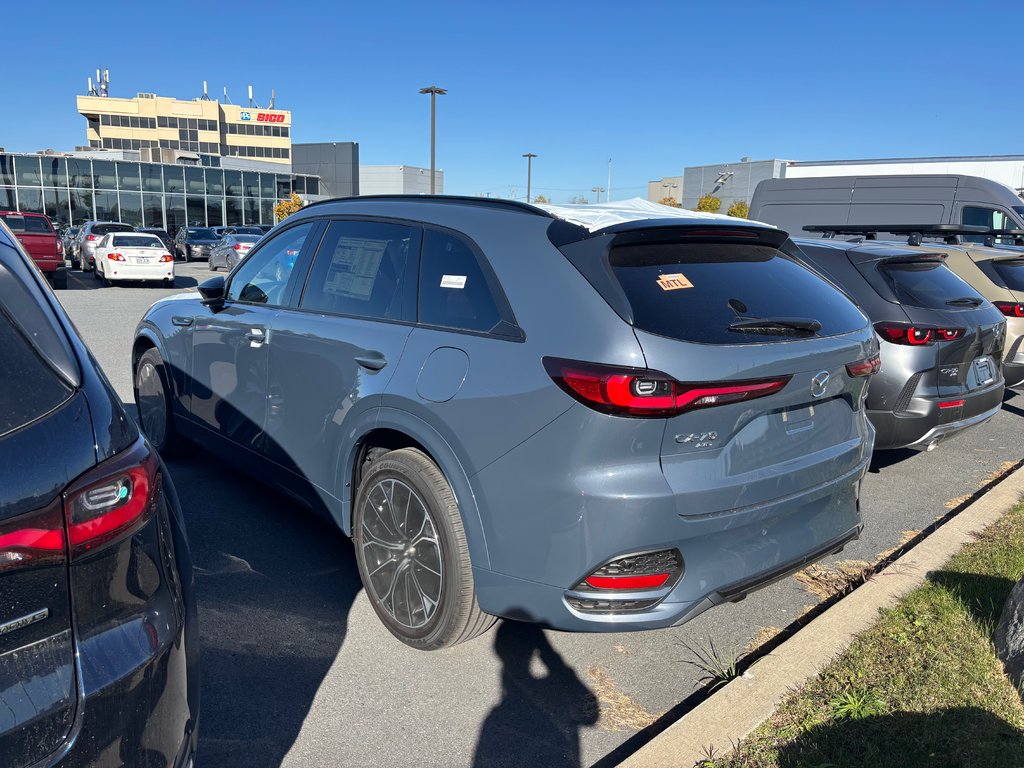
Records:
x=674, y=282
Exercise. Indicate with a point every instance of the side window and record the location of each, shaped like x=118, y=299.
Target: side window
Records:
x=360, y=269
x=263, y=276
x=454, y=293
x=976, y=216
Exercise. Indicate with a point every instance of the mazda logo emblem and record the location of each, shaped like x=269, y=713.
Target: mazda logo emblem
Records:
x=819, y=384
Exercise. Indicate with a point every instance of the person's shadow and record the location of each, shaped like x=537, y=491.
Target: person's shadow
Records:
x=538, y=720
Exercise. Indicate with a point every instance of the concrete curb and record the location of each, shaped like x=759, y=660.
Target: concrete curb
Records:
x=741, y=706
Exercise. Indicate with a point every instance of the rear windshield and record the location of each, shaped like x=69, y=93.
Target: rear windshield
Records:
x=925, y=283
x=106, y=229
x=203, y=234
x=718, y=293
x=31, y=225
x=1012, y=273
x=137, y=241
x=246, y=238
x=248, y=231
x=29, y=387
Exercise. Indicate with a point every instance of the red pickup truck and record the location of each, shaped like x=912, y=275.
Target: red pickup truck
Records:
x=37, y=235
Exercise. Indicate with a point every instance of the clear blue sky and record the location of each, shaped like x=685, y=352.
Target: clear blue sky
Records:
x=654, y=86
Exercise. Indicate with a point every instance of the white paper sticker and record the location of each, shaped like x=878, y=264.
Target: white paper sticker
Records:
x=453, y=281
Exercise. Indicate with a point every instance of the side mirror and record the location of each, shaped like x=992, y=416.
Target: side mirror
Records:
x=212, y=292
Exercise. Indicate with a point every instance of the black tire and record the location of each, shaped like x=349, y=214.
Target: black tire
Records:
x=153, y=404
x=419, y=488
x=96, y=273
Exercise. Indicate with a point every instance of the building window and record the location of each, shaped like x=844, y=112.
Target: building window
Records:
x=162, y=122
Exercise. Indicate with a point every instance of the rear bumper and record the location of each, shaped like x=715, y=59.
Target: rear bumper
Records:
x=928, y=424
x=115, y=271
x=725, y=557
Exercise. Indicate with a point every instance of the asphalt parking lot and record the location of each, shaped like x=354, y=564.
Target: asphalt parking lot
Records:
x=298, y=671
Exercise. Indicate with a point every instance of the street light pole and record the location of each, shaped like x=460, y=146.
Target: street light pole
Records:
x=529, y=172
x=598, y=191
x=434, y=92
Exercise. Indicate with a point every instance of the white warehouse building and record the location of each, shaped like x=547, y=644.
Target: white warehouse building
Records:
x=398, y=180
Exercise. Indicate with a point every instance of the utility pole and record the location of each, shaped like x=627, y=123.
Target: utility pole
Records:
x=434, y=92
x=529, y=172
x=609, y=197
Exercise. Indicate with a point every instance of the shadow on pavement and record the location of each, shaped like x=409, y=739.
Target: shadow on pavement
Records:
x=86, y=281
x=882, y=459
x=538, y=720
x=965, y=736
x=275, y=585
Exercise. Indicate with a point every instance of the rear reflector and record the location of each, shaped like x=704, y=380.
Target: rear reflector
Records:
x=653, y=581
x=644, y=393
x=646, y=570
x=112, y=501
x=866, y=367
x=952, y=404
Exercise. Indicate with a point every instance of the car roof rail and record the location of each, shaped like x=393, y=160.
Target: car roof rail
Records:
x=481, y=202
x=915, y=232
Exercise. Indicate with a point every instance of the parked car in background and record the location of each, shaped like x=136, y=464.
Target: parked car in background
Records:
x=194, y=242
x=39, y=239
x=165, y=238
x=990, y=270
x=90, y=234
x=99, y=662
x=236, y=230
x=403, y=363
x=122, y=256
x=67, y=239
x=941, y=340
x=230, y=250
x=793, y=203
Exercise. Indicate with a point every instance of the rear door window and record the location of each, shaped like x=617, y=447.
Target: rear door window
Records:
x=29, y=386
x=711, y=293
x=31, y=225
x=925, y=283
x=1012, y=273
x=361, y=269
x=454, y=288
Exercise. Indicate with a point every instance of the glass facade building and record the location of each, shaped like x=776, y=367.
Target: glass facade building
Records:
x=72, y=190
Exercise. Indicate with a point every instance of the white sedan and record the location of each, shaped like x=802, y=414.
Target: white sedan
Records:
x=133, y=256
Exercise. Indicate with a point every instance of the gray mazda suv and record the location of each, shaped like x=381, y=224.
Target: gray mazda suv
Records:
x=518, y=414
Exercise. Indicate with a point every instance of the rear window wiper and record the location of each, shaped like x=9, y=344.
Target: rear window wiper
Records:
x=966, y=301
x=755, y=324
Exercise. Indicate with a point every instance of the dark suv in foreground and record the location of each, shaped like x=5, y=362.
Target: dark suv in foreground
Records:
x=514, y=414
x=98, y=640
x=941, y=340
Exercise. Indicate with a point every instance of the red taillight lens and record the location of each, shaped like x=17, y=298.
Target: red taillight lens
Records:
x=112, y=501
x=33, y=539
x=115, y=257
x=916, y=335
x=92, y=237
x=1010, y=308
x=652, y=581
x=237, y=247
x=644, y=393
x=166, y=258
x=867, y=367
x=60, y=248
x=952, y=404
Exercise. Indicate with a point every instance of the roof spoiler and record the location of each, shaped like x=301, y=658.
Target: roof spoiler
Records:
x=916, y=232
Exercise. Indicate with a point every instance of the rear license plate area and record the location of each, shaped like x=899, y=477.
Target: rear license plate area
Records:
x=983, y=371
x=796, y=420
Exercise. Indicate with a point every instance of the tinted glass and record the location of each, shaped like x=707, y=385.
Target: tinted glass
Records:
x=131, y=207
x=1012, y=273
x=7, y=170
x=173, y=179
x=925, y=283
x=152, y=178
x=695, y=292
x=103, y=174
x=27, y=224
x=359, y=270
x=128, y=176
x=30, y=200
x=28, y=171
x=263, y=276
x=29, y=386
x=55, y=172
x=233, y=182
x=454, y=292
x=55, y=201
x=248, y=231
x=137, y=241
x=202, y=234
x=195, y=181
x=106, y=229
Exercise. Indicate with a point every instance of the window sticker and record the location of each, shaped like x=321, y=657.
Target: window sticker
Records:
x=674, y=282
x=453, y=281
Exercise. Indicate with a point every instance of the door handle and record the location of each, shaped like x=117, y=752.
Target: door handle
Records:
x=256, y=337
x=182, y=321
x=372, y=360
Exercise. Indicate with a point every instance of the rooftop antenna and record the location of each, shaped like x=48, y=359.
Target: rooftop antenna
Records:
x=105, y=84
x=226, y=99
x=273, y=98
x=92, y=91
x=206, y=96
x=250, y=97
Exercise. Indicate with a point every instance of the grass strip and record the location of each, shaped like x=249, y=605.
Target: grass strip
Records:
x=923, y=687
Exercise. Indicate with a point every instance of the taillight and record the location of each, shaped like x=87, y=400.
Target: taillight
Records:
x=866, y=367
x=166, y=258
x=60, y=248
x=115, y=257
x=1010, y=308
x=916, y=335
x=237, y=247
x=111, y=501
x=33, y=539
x=92, y=237
x=649, y=394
